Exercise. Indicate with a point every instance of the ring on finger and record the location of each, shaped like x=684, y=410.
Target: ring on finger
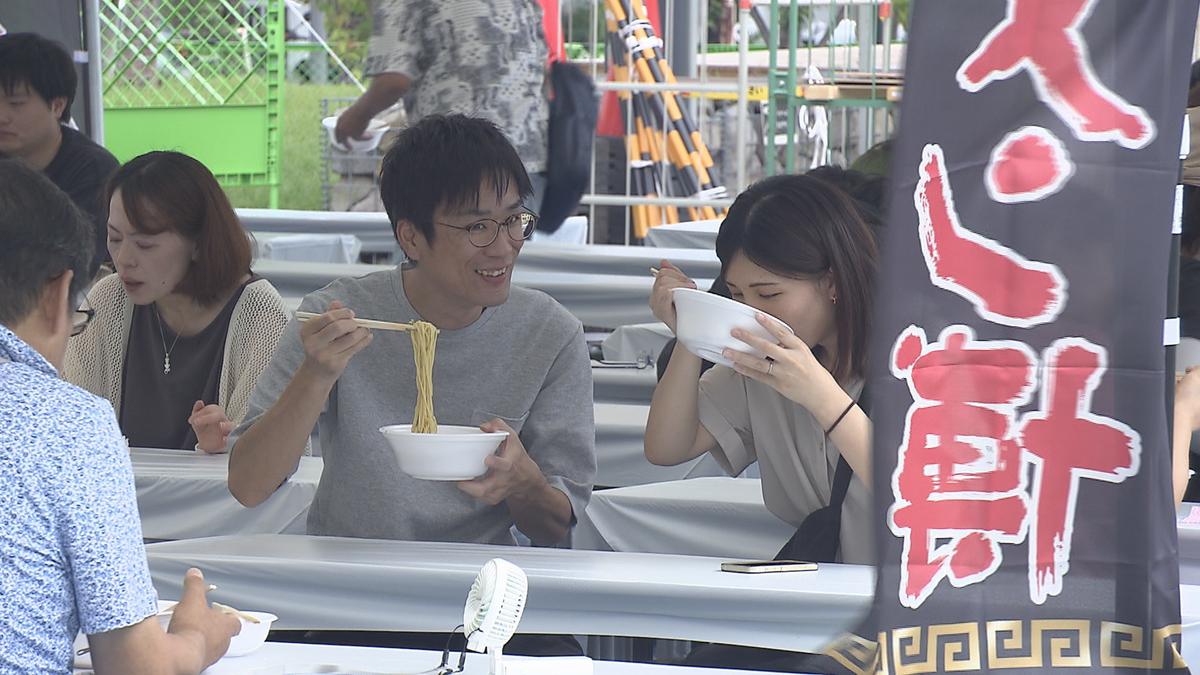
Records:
x=770, y=366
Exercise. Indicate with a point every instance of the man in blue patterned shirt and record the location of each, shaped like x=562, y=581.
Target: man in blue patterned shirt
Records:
x=71, y=554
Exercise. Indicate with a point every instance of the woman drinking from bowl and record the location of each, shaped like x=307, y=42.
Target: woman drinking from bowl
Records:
x=793, y=247
x=183, y=329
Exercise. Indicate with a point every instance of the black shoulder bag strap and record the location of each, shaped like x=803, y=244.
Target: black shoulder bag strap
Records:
x=820, y=535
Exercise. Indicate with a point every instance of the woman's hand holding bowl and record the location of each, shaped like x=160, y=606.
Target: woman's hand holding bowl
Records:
x=790, y=367
x=661, y=300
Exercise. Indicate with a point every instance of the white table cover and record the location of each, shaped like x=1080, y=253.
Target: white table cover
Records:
x=573, y=230
x=363, y=584
x=322, y=248
x=620, y=455
x=183, y=495
x=633, y=261
x=280, y=658
x=277, y=658
x=688, y=234
x=372, y=229
x=599, y=300
x=721, y=517
x=375, y=233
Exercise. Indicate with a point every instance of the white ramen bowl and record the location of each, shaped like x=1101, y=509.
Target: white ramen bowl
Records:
x=453, y=453
x=166, y=609
x=252, y=635
x=703, y=322
x=374, y=133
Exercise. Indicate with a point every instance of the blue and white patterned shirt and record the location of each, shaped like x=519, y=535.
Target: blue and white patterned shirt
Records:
x=71, y=553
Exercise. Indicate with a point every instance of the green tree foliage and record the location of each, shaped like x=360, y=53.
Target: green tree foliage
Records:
x=347, y=29
x=901, y=10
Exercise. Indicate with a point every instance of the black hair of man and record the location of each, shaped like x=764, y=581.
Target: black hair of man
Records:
x=44, y=235
x=445, y=160
x=40, y=63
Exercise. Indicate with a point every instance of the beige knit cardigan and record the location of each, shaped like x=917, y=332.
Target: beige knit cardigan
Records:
x=96, y=357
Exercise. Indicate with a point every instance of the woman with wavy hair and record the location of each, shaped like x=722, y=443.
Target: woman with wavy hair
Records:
x=183, y=328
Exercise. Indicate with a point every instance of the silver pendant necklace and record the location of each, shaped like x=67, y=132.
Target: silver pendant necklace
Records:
x=162, y=336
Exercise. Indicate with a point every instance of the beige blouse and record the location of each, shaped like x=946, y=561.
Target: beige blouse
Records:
x=752, y=421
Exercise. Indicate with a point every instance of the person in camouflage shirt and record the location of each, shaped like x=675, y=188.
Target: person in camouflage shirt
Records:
x=483, y=58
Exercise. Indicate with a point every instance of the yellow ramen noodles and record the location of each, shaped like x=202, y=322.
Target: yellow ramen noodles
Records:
x=424, y=341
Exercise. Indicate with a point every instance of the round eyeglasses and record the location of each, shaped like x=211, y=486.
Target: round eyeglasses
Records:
x=482, y=233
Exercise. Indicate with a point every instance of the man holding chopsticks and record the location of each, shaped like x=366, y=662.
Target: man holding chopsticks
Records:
x=507, y=359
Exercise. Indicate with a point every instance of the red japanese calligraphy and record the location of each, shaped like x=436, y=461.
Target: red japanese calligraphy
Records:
x=961, y=486
x=1004, y=287
x=1042, y=38
x=1027, y=165
x=1069, y=442
x=959, y=478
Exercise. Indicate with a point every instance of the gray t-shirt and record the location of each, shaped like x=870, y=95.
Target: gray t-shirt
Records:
x=484, y=58
x=751, y=421
x=524, y=361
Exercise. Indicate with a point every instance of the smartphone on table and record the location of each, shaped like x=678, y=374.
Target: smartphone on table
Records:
x=760, y=566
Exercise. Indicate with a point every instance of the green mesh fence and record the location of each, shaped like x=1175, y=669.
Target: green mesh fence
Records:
x=203, y=77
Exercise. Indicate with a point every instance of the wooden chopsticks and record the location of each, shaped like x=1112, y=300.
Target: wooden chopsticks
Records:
x=365, y=323
x=236, y=612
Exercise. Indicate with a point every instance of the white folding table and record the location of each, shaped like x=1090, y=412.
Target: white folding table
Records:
x=184, y=494
x=711, y=516
x=334, y=583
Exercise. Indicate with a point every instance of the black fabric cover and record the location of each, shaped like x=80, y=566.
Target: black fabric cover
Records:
x=573, y=113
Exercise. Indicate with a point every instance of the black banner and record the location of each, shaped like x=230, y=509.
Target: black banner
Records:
x=1022, y=470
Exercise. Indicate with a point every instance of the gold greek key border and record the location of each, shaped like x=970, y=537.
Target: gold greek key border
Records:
x=1009, y=645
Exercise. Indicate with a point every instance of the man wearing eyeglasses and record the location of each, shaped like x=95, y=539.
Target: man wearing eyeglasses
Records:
x=507, y=358
x=71, y=538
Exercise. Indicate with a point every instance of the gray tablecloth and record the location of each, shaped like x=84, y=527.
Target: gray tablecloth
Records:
x=372, y=229
x=694, y=234
x=183, y=495
x=627, y=343
x=623, y=384
x=620, y=458
x=283, y=658
x=361, y=584
x=632, y=261
x=716, y=516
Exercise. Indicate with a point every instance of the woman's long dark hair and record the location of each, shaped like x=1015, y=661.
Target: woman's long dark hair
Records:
x=801, y=227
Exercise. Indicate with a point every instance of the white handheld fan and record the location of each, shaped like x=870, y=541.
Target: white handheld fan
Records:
x=494, y=608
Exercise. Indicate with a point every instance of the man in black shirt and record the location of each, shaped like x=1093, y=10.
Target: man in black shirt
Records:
x=37, y=85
